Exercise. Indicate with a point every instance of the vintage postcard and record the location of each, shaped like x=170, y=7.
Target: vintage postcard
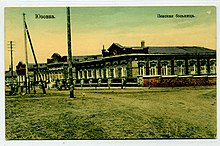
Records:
x=110, y=73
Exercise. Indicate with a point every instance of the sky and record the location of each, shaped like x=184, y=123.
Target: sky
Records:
x=93, y=27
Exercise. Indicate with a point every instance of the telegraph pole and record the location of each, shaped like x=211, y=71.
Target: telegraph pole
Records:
x=11, y=47
x=12, y=76
x=35, y=59
x=26, y=55
x=70, y=66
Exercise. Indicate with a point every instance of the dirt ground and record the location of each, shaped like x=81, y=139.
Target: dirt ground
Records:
x=131, y=113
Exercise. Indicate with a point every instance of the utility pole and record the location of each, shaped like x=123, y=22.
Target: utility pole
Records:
x=26, y=55
x=35, y=59
x=70, y=65
x=11, y=49
x=11, y=69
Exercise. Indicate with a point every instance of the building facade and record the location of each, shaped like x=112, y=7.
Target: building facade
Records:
x=131, y=63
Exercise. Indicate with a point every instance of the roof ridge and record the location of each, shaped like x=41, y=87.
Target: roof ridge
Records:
x=119, y=45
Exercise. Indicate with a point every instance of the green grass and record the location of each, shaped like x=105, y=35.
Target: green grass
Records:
x=113, y=114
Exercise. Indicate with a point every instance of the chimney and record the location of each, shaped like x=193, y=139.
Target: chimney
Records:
x=142, y=44
x=9, y=68
x=104, y=52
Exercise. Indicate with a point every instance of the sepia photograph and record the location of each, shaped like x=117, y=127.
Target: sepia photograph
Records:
x=110, y=72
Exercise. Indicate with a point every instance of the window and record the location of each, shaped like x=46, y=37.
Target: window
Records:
x=111, y=73
x=93, y=73
x=164, y=70
x=124, y=72
x=79, y=75
x=104, y=73
x=213, y=66
x=193, y=69
x=141, y=70
x=119, y=72
x=180, y=70
x=100, y=73
x=213, y=69
x=89, y=73
x=97, y=73
x=85, y=74
x=203, y=67
x=153, y=70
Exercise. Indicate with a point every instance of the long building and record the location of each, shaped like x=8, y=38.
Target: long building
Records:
x=133, y=64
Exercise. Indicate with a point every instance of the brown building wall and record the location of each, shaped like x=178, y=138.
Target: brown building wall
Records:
x=179, y=81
